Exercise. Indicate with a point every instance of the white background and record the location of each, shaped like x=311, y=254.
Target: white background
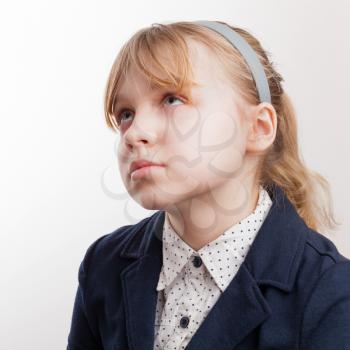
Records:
x=56, y=151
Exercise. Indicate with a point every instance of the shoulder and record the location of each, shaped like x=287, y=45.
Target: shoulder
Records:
x=326, y=314
x=323, y=247
x=106, y=249
x=319, y=254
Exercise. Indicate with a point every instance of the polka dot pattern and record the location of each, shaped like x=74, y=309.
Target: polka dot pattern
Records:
x=190, y=282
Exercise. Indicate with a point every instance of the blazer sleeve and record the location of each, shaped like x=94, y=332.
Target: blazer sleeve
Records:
x=81, y=335
x=326, y=319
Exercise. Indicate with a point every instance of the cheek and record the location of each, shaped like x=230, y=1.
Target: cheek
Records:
x=214, y=150
x=222, y=144
x=123, y=164
x=218, y=130
x=183, y=124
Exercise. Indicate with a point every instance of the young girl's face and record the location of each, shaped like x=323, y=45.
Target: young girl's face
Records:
x=201, y=144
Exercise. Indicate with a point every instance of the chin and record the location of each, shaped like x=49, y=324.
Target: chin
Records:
x=152, y=201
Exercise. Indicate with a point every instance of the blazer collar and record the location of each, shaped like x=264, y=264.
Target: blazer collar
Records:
x=273, y=259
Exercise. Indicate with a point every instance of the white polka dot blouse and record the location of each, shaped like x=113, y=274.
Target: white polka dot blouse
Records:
x=190, y=282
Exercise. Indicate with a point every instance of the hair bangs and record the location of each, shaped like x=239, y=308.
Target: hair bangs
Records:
x=161, y=55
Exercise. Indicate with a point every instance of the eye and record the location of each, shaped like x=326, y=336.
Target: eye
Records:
x=169, y=96
x=119, y=117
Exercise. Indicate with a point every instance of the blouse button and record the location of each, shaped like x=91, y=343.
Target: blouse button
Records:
x=197, y=261
x=184, y=321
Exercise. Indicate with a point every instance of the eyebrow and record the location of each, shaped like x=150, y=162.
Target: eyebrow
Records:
x=121, y=97
x=118, y=97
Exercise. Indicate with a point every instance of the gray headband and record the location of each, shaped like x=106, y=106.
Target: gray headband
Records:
x=248, y=53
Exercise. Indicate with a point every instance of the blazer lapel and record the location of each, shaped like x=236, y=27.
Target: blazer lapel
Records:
x=272, y=260
x=238, y=311
x=139, y=281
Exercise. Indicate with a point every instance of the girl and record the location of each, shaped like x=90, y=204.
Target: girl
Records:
x=233, y=257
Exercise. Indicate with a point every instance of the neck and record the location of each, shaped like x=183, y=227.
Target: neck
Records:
x=202, y=219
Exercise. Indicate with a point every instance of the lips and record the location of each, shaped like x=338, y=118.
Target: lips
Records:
x=140, y=163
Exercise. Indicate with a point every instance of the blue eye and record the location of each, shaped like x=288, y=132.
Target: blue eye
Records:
x=119, y=119
x=176, y=98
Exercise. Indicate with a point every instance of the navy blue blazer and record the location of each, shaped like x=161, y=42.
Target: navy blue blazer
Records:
x=291, y=292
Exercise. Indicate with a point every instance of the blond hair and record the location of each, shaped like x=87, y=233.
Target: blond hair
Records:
x=161, y=53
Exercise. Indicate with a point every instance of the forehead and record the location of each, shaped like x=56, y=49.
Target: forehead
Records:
x=207, y=72
x=205, y=63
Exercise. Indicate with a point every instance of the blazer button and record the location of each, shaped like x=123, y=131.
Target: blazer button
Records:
x=184, y=322
x=197, y=261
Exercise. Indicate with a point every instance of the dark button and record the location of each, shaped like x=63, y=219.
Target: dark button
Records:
x=197, y=261
x=184, y=322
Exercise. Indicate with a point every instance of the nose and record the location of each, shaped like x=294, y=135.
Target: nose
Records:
x=144, y=129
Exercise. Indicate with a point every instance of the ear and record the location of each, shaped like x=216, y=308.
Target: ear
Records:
x=262, y=128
